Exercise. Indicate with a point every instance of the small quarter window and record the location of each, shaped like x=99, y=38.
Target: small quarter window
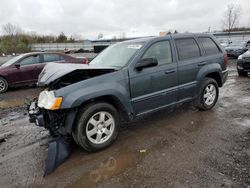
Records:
x=209, y=46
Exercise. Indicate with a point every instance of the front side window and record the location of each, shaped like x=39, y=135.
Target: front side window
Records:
x=30, y=60
x=51, y=57
x=187, y=48
x=161, y=51
x=209, y=46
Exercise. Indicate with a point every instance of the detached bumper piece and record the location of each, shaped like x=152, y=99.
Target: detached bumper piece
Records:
x=59, y=123
x=59, y=150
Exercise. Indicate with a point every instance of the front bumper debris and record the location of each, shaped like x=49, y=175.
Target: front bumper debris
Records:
x=59, y=124
x=59, y=150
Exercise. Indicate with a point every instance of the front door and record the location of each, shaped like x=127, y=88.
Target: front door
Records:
x=27, y=71
x=154, y=87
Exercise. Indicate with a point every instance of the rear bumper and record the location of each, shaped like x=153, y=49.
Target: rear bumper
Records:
x=224, y=76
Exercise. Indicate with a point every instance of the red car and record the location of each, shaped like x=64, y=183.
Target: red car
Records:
x=25, y=69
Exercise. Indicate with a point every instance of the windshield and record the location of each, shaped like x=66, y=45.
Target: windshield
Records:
x=116, y=55
x=12, y=61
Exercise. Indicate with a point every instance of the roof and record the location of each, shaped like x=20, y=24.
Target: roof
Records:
x=147, y=39
x=34, y=53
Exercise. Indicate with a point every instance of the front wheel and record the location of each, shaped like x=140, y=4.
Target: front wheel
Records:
x=208, y=95
x=3, y=85
x=97, y=126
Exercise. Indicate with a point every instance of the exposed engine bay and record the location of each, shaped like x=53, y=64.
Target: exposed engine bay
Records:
x=76, y=76
x=55, y=76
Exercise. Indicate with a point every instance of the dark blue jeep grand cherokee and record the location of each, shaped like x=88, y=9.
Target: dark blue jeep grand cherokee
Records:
x=127, y=80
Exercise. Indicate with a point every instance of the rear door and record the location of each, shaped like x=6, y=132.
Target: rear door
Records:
x=154, y=87
x=189, y=59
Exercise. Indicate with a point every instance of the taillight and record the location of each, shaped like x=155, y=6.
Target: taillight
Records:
x=86, y=61
x=225, y=60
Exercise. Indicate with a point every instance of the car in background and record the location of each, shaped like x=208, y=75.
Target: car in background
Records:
x=248, y=45
x=25, y=69
x=235, y=49
x=243, y=64
x=224, y=43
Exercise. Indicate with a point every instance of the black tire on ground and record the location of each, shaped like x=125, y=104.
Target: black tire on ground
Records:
x=241, y=73
x=200, y=102
x=85, y=114
x=3, y=85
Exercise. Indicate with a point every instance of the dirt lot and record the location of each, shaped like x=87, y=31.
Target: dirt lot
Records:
x=173, y=148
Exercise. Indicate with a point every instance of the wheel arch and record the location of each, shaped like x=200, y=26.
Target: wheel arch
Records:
x=216, y=76
x=2, y=76
x=111, y=99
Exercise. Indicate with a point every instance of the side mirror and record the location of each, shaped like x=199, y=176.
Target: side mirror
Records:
x=245, y=49
x=146, y=62
x=17, y=65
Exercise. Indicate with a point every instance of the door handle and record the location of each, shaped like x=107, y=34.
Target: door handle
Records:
x=202, y=63
x=170, y=71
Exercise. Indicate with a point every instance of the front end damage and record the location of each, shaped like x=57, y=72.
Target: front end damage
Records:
x=59, y=121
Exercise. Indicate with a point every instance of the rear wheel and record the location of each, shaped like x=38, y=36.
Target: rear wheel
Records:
x=241, y=73
x=208, y=95
x=97, y=126
x=3, y=85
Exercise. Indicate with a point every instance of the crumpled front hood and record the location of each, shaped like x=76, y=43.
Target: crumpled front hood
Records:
x=54, y=71
x=246, y=54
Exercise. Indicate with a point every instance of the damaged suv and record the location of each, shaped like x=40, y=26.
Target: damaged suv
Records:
x=125, y=81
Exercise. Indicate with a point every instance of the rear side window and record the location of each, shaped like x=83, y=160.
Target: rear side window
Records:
x=187, y=48
x=161, y=51
x=209, y=46
x=51, y=57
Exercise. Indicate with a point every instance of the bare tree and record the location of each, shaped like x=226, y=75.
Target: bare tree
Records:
x=10, y=29
x=100, y=35
x=231, y=17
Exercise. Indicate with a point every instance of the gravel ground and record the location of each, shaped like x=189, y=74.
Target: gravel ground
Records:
x=179, y=147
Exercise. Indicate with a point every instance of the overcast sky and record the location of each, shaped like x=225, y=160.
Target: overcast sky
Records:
x=145, y=17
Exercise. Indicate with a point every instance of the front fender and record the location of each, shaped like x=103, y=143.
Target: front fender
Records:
x=114, y=84
x=115, y=90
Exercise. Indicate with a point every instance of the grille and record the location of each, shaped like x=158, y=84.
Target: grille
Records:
x=247, y=59
x=246, y=65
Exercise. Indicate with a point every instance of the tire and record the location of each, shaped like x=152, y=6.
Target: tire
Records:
x=208, y=94
x=3, y=85
x=97, y=126
x=242, y=74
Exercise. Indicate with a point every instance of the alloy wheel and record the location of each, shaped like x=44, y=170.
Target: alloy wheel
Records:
x=209, y=94
x=100, y=127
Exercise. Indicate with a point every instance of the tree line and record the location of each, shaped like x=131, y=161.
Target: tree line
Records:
x=15, y=40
